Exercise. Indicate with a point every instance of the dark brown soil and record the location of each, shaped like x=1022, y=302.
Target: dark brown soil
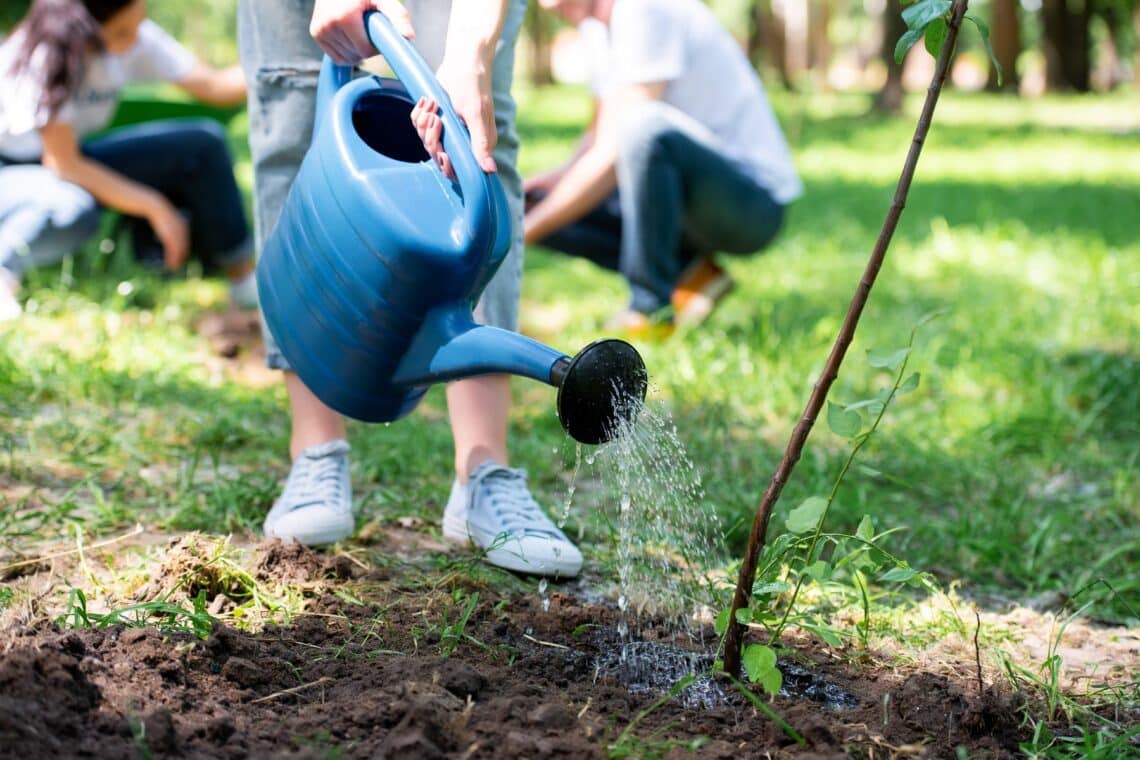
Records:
x=388, y=671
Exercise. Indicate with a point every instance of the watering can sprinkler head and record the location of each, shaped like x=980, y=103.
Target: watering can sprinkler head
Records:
x=600, y=391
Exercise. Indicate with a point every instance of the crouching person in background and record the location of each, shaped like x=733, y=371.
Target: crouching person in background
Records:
x=61, y=73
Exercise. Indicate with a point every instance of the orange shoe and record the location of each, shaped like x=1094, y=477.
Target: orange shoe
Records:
x=634, y=324
x=698, y=291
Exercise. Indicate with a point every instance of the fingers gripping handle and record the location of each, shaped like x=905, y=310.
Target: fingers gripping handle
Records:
x=419, y=80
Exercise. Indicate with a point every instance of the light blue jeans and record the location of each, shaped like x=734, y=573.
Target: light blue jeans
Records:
x=281, y=62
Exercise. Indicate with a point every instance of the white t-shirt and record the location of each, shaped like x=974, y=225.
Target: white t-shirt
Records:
x=156, y=57
x=708, y=77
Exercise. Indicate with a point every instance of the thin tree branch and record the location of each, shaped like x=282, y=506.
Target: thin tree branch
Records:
x=757, y=537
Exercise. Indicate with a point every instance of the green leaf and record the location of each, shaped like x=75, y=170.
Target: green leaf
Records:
x=873, y=406
x=984, y=31
x=908, y=385
x=863, y=561
x=866, y=529
x=805, y=517
x=919, y=15
x=888, y=359
x=744, y=615
x=905, y=43
x=758, y=659
x=898, y=574
x=720, y=625
x=772, y=681
x=759, y=663
x=842, y=421
x=931, y=315
x=819, y=570
x=773, y=587
x=936, y=36
x=829, y=635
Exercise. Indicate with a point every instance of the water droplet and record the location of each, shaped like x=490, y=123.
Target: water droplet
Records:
x=572, y=487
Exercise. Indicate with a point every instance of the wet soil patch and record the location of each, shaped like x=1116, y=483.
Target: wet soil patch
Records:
x=393, y=670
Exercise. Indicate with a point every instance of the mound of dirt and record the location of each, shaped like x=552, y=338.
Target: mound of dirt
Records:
x=296, y=564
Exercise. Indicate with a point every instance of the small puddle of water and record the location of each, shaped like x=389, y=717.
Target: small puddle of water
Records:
x=646, y=666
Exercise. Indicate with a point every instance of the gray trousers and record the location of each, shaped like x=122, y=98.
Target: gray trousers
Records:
x=281, y=62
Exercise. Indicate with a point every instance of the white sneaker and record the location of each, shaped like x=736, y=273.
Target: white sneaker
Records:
x=243, y=292
x=496, y=512
x=10, y=308
x=316, y=506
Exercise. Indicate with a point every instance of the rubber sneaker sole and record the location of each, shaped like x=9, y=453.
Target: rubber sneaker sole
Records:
x=531, y=555
x=312, y=526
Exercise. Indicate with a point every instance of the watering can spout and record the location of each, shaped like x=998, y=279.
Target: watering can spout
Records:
x=600, y=390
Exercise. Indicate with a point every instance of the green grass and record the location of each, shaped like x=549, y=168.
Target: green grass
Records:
x=1012, y=468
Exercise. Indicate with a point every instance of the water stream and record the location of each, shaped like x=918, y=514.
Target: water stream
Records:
x=669, y=549
x=644, y=490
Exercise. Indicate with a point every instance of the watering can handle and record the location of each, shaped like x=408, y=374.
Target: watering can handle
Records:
x=419, y=80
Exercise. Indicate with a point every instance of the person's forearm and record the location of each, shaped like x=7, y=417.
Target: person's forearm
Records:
x=474, y=28
x=466, y=73
x=227, y=87
x=589, y=181
x=108, y=187
x=218, y=87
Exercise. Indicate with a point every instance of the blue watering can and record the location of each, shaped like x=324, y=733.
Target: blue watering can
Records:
x=369, y=278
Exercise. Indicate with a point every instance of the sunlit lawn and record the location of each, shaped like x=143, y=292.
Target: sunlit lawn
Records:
x=1012, y=468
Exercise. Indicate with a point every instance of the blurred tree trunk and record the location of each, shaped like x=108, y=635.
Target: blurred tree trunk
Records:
x=819, y=39
x=889, y=99
x=1066, y=44
x=795, y=15
x=538, y=31
x=1005, y=28
x=767, y=42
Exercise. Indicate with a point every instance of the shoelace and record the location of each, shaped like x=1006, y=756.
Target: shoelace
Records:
x=513, y=504
x=315, y=480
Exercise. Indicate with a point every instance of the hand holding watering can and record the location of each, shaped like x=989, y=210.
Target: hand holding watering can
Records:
x=368, y=281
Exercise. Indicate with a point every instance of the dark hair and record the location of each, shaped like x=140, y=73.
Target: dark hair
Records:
x=66, y=31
